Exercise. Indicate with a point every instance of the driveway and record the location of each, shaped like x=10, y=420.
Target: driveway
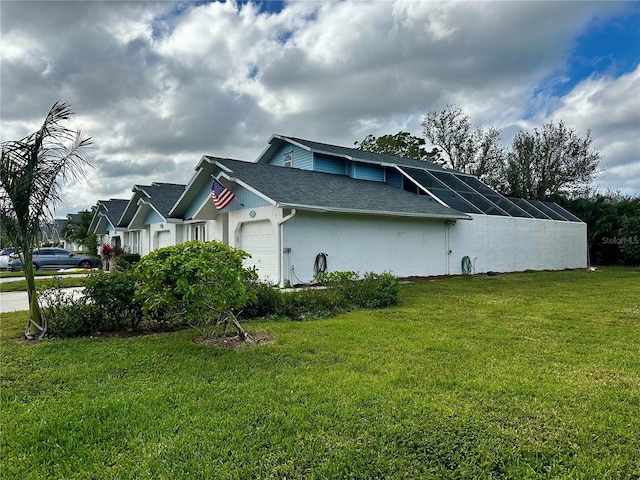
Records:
x=16, y=301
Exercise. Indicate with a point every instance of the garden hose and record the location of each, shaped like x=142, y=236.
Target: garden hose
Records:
x=466, y=265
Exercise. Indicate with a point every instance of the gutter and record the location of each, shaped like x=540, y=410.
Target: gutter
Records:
x=281, y=253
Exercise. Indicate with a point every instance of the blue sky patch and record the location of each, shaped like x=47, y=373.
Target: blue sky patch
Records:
x=608, y=46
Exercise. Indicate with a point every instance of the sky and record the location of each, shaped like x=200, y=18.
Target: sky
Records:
x=160, y=84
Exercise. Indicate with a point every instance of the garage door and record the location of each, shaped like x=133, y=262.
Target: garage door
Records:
x=163, y=239
x=259, y=239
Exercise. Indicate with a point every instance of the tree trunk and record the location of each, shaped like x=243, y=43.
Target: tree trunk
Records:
x=35, y=315
x=241, y=333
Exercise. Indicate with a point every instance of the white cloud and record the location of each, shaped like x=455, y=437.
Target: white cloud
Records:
x=610, y=108
x=159, y=84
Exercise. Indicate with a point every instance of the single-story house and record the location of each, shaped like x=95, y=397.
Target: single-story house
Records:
x=303, y=205
x=104, y=224
x=145, y=220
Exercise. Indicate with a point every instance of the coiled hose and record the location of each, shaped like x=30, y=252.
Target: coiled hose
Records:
x=467, y=267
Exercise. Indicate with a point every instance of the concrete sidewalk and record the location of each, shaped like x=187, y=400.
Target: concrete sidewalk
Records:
x=17, y=301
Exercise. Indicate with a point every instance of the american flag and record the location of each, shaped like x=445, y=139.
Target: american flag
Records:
x=221, y=195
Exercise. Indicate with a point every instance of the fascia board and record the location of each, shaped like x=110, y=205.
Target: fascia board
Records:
x=237, y=181
x=144, y=206
x=103, y=224
x=131, y=206
x=196, y=176
x=315, y=208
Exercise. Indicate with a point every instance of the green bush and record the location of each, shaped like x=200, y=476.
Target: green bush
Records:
x=68, y=315
x=373, y=290
x=126, y=261
x=114, y=296
x=265, y=300
x=344, y=291
x=202, y=284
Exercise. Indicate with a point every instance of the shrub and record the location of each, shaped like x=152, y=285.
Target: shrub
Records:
x=265, y=300
x=374, y=290
x=114, y=296
x=201, y=283
x=345, y=291
x=68, y=315
x=126, y=261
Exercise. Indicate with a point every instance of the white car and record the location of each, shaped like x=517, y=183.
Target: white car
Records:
x=4, y=258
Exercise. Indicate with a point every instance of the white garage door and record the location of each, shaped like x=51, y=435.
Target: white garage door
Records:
x=259, y=240
x=163, y=239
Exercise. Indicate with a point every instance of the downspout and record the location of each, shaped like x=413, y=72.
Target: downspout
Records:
x=281, y=254
x=447, y=248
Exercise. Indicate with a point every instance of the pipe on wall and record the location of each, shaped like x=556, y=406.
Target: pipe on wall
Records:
x=281, y=254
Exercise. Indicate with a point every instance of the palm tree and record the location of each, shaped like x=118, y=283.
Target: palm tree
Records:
x=77, y=231
x=32, y=171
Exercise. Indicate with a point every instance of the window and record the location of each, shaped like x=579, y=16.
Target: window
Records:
x=287, y=160
x=134, y=242
x=199, y=232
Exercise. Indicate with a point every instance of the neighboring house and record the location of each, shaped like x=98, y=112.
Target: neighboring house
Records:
x=145, y=219
x=302, y=200
x=104, y=224
x=51, y=233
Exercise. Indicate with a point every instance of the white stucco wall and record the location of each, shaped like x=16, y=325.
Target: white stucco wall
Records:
x=364, y=243
x=508, y=244
x=403, y=246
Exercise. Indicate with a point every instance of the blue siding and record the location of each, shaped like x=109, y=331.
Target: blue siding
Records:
x=323, y=163
x=368, y=172
x=301, y=158
x=394, y=178
x=204, y=193
x=153, y=217
x=245, y=199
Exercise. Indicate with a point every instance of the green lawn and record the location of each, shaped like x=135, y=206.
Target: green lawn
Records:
x=41, y=283
x=532, y=375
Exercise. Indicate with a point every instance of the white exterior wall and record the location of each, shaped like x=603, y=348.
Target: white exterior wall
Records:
x=149, y=237
x=363, y=243
x=284, y=249
x=512, y=244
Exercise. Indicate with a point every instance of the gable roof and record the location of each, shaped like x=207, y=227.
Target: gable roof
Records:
x=159, y=196
x=107, y=212
x=276, y=142
x=286, y=187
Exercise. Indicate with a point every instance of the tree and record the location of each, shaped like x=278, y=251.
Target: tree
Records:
x=32, y=171
x=201, y=283
x=402, y=144
x=551, y=160
x=477, y=152
x=77, y=231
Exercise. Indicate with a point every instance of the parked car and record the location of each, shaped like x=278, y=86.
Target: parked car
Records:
x=56, y=258
x=4, y=258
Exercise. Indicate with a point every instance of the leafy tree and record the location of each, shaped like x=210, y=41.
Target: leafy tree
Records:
x=201, y=283
x=77, y=231
x=402, y=144
x=477, y=152
x=551, y=160
x=610, y=219
x=31, y=174
x=629, y=236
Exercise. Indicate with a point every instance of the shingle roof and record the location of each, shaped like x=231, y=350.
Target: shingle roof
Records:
x=163, y=195
x=114, y=209
x=306, y=189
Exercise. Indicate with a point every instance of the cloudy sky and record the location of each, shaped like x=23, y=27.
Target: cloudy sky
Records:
x=159, y=84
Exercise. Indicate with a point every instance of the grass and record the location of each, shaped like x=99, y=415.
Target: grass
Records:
x=21, y=285
x=532, y=375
